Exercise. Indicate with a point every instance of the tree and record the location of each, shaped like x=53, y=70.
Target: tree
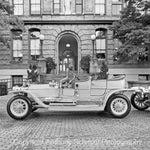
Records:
x=8, y=21
x=133, y=31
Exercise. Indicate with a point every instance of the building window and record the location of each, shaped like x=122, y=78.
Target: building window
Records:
x=18, y=7
x=56, y=6
x=101, y=48
x=101, y=43
x=100, y=7
x=116, y=7
x=117, y=43
x=35, y=7
x=34, y=44
x=143, y=77
x=17, y=80
x=79, y=6
x=17, y=45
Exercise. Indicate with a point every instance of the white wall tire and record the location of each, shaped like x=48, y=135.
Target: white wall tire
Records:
x=119, y=106
x=19, y=107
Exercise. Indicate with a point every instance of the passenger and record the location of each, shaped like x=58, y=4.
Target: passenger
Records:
x=34, y=73
x=29, y=72
x=103, y=74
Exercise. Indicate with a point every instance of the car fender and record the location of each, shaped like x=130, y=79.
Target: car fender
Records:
x=111, y=93
x=33, y=96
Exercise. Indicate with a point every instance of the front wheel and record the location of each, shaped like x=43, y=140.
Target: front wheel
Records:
x=118, y=106
x=19, y=107
x=138, y=102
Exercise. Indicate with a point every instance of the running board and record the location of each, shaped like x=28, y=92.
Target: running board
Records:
x=62, y=104
x=76, y=108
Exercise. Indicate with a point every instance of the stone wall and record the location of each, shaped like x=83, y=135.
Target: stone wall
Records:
x=83, y=32
x=53, y=26
x=51, y=41
x=52, y=31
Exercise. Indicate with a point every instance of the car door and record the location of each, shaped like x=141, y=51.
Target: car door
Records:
x=98, y=87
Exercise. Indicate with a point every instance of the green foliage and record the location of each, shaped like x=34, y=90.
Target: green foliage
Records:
x=50, y=64
x=133, y=30
x=85, y=63
x=8, y=21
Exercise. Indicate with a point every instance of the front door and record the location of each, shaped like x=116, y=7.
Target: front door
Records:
x=66, y=63
x=68, y=53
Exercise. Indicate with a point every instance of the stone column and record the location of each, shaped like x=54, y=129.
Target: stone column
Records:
x=41, y=60
x=42, y=65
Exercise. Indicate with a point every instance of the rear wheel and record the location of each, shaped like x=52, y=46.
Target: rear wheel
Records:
x=118, y=106
x=19, y=107
x=138, y=102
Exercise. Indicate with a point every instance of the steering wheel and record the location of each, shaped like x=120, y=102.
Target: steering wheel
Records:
x=76, y=76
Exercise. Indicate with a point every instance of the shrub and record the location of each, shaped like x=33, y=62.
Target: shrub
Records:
x=50, y=64
x=85, y=63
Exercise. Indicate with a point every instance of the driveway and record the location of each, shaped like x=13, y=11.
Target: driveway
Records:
x=44, y=130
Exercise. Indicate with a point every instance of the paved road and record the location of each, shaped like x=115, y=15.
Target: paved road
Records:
x=74, y=131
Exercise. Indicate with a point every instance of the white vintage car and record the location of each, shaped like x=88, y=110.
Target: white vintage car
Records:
x=71, y=95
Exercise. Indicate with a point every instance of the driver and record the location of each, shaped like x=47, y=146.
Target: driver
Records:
x=103, y=74
x=66, y=81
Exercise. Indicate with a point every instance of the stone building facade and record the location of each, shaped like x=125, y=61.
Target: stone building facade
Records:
x=67, y=26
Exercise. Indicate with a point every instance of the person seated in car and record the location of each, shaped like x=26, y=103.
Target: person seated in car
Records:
x=68, y=81
x=103, y=74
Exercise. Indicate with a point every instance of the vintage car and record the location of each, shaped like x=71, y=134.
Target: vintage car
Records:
x=71, y=95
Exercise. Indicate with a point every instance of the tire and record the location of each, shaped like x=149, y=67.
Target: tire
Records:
x=118, y=106
x=137, y=103
x=19, y=107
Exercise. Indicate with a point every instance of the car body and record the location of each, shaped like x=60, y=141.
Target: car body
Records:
x=71, y=95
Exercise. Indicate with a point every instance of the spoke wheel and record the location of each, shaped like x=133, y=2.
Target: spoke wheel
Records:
x=19, y=107
x=119, y=106
x=137, y=102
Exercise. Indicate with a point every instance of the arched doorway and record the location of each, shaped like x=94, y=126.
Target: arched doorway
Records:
x=68, y=53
